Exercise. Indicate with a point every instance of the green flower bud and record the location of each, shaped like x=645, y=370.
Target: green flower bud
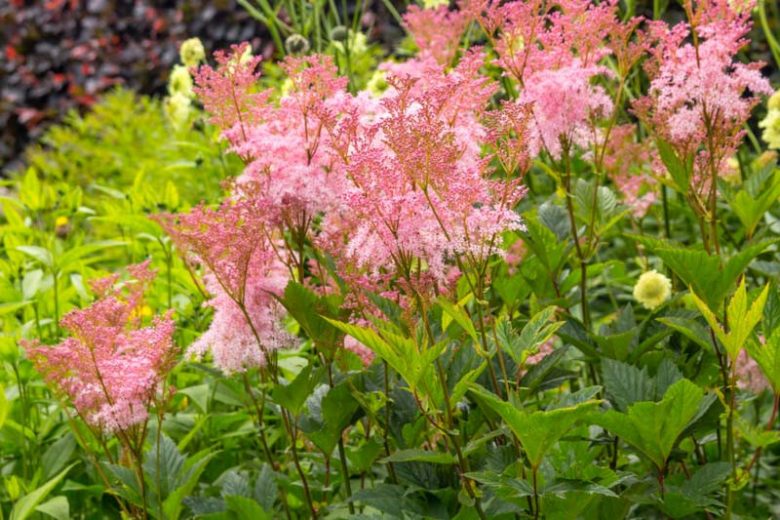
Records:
x=296, y=44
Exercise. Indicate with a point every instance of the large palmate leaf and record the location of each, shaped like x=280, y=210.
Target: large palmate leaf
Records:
x=654, y=428
x=537, y=431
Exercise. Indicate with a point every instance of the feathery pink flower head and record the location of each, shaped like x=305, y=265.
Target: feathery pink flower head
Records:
x=235, y=244
x=436, y=31
x=228, y=92
x=112, y=366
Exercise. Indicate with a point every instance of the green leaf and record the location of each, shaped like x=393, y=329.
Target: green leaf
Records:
x=402, y=354
x=750, y=207
x=742, y=320
x=12, y=307
x=57, y=507
x=653, y=428
x=626, y=384
x=416, y=455
x=539, y=329
x=246, y=508
x=186, y=482
x=362, y=458
x=537, y=431
x=459, y=316
x=31, y=283
x=26, y=505
x=265, y=488
x=550, y=250
x=312, y=312
x=707, y=479
x=689, y=328
x=163, y=464
x=756, y=436
x=336, y=410
x=40, y=254
x=293, y=395
x=58, y=454
x=679, y=170
x=390, y=499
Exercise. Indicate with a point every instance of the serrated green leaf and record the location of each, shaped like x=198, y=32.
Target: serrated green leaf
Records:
x=626, y=384
x=537, y=431
x=654, y=428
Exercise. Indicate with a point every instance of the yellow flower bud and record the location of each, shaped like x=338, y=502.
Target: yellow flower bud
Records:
x=652, y=289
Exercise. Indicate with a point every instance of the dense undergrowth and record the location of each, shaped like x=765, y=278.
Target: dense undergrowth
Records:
x=524, y=268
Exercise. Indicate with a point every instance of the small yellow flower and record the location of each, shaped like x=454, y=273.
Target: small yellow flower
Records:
x=652, y=289
x=433, y=4
x=191, y=52
x=144, y=311
x=61, y=221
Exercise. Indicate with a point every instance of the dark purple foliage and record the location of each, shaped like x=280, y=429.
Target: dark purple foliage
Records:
x=61, y=54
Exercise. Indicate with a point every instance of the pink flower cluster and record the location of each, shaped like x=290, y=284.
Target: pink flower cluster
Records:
x=553, y=50
x=629, y=165
x=700, y=96
x=243, y=273
x=113, y=366
x=392, y=188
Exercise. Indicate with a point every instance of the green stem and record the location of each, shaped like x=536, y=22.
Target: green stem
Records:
x=575, y=236
x=55, y=286
x=535, y=483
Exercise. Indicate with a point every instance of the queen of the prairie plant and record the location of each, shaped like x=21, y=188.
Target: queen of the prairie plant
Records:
x=113, y=366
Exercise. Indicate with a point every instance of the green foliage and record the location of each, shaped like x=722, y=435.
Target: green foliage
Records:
x=123, y=138
x=654, y=428
x=532, y=387
x=537, y=431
